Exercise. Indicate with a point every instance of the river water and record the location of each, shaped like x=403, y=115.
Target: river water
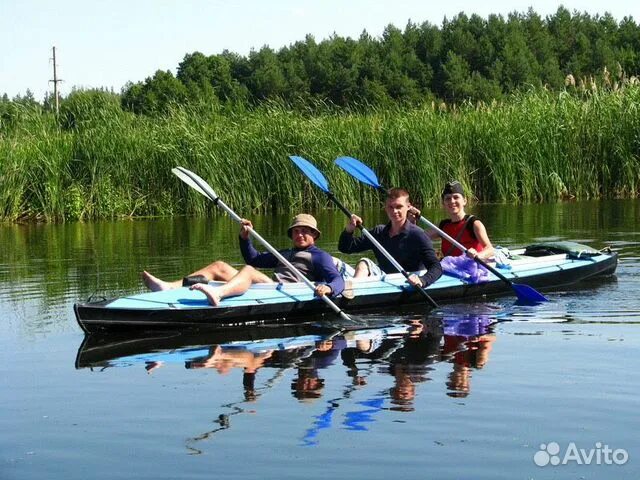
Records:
x=543, y=392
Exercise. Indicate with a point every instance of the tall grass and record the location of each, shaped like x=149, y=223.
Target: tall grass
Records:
x=96, y=161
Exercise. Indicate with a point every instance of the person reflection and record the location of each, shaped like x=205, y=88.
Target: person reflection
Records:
x=307, y=385
x=411, y=363
x=366, y=349
x=467, y=345
x=223, y=360
x=403, y=392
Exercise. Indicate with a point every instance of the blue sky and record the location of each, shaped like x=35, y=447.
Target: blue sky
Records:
x=107, y=43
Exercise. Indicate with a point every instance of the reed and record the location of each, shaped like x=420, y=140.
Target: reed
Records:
x=97, y=161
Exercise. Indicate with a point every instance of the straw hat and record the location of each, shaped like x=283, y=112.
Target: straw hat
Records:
x=304, y=220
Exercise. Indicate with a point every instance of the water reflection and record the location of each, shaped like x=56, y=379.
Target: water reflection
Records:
x=467, y=346
x=172, y=410
x=407, y=351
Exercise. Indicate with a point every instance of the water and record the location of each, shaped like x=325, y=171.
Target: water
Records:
x=475, y=402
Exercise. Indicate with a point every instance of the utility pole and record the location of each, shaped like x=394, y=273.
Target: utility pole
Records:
x=55, y=82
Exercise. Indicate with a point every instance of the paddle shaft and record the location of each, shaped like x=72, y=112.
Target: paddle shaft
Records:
x=381, y=249
x=215, y=199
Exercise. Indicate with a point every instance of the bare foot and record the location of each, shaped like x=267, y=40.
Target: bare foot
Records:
x=154, y=283
x=213, y=294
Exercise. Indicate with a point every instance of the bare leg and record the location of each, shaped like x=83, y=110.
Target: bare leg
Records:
x=239, y=284
x=155, y=284
x=223, y=272
x=219, y=270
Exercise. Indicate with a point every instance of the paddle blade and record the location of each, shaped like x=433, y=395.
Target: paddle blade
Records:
x=359, y=171
x=311, y=172
x=195, y=182
x=528, y=295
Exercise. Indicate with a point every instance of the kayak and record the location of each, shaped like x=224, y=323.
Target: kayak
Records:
x=544, y=266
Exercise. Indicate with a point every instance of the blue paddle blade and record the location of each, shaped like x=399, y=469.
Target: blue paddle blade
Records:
x=311, y=172
x=527, y=294
x=358, y=170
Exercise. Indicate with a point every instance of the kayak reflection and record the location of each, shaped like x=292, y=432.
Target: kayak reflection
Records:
x=405, y=349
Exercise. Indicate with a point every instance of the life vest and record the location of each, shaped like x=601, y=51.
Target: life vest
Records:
x=462, y=231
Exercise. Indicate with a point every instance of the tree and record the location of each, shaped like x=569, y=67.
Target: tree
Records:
x=343, y=76
x=293, y=68
x=456, y=78
x=195, y=74
x=267, y=79
x=155, y=95
x=540, y=43
x=429, y=51
x=466, y=58
x=519, y=65
x=628, y=45
x=82, y=108
x=563, y=32
x=27, y=99
x=398, y=61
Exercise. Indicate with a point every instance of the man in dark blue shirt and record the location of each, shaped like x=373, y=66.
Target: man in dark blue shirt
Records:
x=314, y=263
x=407, y=243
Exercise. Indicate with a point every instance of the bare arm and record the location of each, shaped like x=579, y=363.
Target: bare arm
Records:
x=481, y=234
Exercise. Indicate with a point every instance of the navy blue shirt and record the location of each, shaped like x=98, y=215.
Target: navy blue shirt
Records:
x=314, y=263
x=412, y=249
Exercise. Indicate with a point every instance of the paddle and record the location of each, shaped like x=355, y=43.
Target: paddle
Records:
x=321, y=182
x=364, y=174
x=198, y=184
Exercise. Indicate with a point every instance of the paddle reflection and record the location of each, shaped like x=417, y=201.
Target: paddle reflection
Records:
x=406, y=351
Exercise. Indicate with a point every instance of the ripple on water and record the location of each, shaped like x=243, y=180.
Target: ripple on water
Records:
x=574, y=312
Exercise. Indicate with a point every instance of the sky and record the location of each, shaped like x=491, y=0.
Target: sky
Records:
x=103, y=43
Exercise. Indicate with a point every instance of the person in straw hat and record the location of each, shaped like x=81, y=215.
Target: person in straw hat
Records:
x=314, y=263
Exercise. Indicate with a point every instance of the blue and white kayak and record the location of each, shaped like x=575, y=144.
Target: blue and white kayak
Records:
x=543, y=266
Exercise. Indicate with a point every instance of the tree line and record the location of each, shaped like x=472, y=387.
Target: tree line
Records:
x=468, y=58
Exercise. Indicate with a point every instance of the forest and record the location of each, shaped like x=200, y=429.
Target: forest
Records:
x=465, y=59
x=521, y=109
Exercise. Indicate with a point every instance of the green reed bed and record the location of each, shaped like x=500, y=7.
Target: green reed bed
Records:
x=96, y=161
x=33, y=166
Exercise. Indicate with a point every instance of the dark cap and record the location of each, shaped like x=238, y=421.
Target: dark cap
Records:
x=452, y=187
